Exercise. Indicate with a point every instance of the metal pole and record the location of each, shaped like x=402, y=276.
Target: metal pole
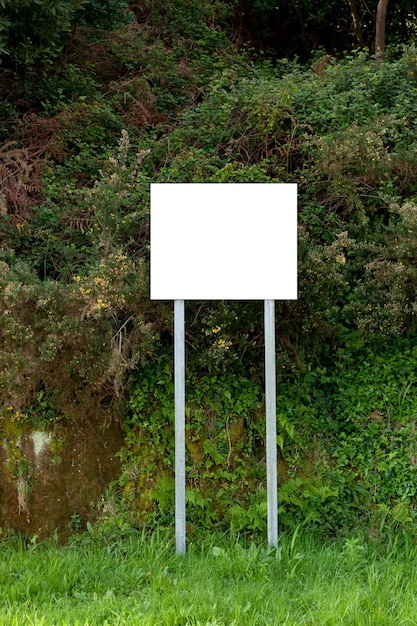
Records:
x=179, y=367
x=271, y=423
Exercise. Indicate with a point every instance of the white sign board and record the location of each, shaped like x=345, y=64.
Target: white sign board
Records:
x=223, y=241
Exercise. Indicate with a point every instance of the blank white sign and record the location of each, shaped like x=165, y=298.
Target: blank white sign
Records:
x=223, y=241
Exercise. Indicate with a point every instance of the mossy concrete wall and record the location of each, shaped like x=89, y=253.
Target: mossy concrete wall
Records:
x=50, y=477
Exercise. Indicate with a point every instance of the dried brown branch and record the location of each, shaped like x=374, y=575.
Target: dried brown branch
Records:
x=20, y=180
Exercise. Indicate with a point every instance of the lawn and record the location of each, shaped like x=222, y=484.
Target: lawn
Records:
x=141, y=581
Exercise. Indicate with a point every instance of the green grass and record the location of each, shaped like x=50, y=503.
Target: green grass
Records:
x=141, y=581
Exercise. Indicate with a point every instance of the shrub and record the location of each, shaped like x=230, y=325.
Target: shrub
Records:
x=35, y=32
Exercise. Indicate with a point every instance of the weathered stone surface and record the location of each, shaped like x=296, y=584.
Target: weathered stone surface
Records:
x=63, y=474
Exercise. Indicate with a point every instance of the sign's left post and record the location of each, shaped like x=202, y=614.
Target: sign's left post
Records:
x=179, y=368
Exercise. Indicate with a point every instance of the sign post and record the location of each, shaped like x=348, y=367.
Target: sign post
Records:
x=221, y=241
x=179, y=384
x=271, y=423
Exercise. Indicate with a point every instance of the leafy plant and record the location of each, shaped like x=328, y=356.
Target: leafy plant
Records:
x=37, y=31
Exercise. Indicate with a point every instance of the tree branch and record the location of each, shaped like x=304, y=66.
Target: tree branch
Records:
x=357, y=29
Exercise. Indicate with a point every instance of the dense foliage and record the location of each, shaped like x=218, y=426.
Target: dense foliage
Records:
x=33, y=34
x=167, y=97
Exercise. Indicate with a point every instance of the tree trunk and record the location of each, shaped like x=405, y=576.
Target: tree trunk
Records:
x=381, y=15
x=356, y=23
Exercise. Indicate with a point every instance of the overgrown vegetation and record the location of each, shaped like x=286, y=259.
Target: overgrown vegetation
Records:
x=88, y=121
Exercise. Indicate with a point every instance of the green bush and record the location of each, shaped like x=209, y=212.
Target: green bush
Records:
x=77, y=333
x=36, y=32
x=223, y=440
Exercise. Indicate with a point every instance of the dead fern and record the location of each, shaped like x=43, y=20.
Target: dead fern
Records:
x=20, y=181
x=43, y=136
